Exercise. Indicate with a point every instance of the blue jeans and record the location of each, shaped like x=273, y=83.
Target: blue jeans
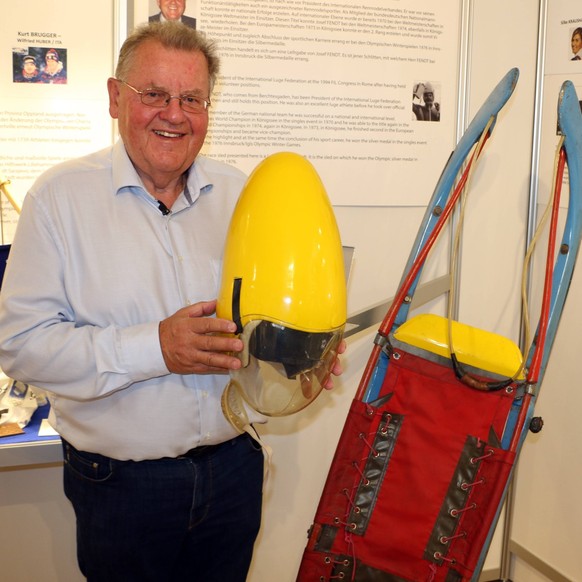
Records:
x=194, y=518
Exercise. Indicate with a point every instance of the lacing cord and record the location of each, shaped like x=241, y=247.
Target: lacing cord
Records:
x=330, y=560
x=355, y=508
x=364, y=438
x=467, y=486
x=456, y=512
x=441, y=556
x=383, y=429
x=447, y=539
x=488, y=453
x=350, y=527
x=363, y=477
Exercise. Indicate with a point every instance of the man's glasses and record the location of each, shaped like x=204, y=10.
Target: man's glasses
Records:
x=158, y=98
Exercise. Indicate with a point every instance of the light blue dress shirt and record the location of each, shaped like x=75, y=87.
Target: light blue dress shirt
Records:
x=94, y=267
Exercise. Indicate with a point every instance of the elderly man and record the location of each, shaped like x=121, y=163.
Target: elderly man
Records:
x=107, y=304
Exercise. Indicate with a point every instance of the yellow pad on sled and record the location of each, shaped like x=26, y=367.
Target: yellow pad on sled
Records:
x=475, y=347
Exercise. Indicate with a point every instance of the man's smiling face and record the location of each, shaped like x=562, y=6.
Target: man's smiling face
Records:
x=161, y=142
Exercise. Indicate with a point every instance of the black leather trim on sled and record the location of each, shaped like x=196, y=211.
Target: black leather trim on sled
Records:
x=378, y=458
x=456, y=498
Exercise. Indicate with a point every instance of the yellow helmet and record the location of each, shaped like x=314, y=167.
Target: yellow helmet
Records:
x=283, y=284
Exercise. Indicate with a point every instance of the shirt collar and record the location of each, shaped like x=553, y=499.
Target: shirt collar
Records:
x=126, y=178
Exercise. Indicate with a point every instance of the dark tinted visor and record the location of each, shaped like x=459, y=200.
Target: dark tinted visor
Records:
x=297, y=351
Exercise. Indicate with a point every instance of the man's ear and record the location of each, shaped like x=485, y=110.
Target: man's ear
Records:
x=113, y=90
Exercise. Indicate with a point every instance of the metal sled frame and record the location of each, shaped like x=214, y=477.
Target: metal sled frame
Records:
x=424, y=460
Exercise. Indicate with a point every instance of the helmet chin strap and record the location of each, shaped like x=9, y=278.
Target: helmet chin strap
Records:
x=233, y=408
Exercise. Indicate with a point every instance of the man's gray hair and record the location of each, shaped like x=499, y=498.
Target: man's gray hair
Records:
x=171, y=35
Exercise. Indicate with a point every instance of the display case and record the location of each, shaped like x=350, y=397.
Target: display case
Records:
x=30, y=447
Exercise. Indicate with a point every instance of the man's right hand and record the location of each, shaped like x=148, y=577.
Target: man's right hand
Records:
x=194, y=343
